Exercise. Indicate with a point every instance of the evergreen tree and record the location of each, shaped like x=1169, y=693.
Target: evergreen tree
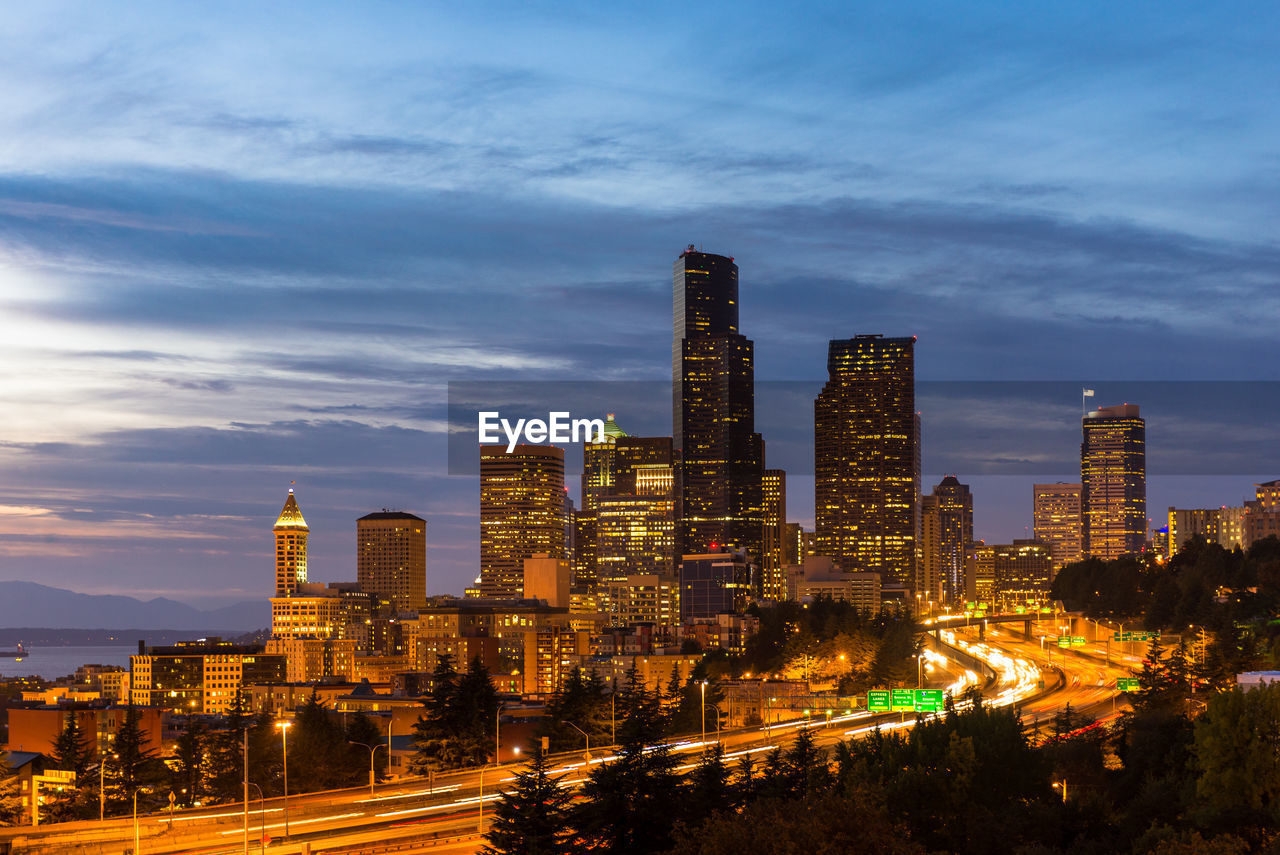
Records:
x=473, y=716
x=708, y=790
x=266, y=754
x=189, y=770
x=71, y=750
x=226, y=754
x=319, y=756
x=362, y=735
x=532, y=816
x=10, y=793
x=136, y=769
x=432, y=741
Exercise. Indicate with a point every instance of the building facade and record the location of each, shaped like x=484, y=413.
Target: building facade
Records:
x=1113, y=482
x=291, y=548
x=391, y=559
x=867, y=458
x=773, y=579
x=1056, y=521
x=713, y=407
x=521, y=514
x=946, y=529
x=714, y=583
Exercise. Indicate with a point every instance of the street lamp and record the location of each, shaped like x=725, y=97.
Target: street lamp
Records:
x=585, y=736
x=715, y=709
x=284, y=749
x=704, y=715
x=262, y=817
x=136, y=841
x=1061, y=785
x=102, y=789
x=373, y=749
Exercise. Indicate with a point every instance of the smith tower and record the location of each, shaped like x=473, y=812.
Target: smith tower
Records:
x=291, y=548
x=713, y=409
x=867, y=458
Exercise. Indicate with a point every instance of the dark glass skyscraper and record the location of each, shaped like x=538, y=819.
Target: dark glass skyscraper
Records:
x=713, y=409
x=1113, y=481
x=867, y=458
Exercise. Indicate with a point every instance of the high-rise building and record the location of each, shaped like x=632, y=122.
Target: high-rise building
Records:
x=946, y=530
x=1022, y=573
x=714, y=583
x=521, y=514
x=1056, y=521
x=1186, y=523
x=547, y=579
x=713, y=408
x=391, y=559
x=1113, y=481
x=291, y=548
x=867, y=458
x=773, y=579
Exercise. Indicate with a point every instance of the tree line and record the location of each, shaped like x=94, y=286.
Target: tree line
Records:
x=1182, y=773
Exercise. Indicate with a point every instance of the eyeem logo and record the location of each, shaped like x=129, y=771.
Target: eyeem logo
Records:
x=558, y=427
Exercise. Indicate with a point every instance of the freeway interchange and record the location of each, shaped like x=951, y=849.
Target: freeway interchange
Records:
x=445, y=814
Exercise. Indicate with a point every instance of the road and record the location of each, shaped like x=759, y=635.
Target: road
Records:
x=444, y=815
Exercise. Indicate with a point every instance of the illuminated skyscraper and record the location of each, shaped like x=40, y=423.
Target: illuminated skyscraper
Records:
x=867, y=458
x=1056, y=521
x=291, y=548
x=713, y=407
x=521, y=514
x=1113, y=481
x=946, y=532
x=773, y=541
x=391, y=559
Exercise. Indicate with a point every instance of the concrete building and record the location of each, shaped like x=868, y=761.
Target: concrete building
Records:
x=1057, y=521
x=521, y=515
x=946, y=528
x=200, y=677
x=714, y=583
x=547, y=579
x=1113, y=482
x=391, y=559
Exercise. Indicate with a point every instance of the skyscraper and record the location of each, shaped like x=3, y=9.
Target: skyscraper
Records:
x=1056, y=521
x=521, y=514
x=1113, y=481
x=391, y=559
x=867, y=458
x=713, y=410
x=291, y=548
x=946, y=532
x=773, y=540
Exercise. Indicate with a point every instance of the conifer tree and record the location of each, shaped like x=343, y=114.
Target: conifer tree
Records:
x=532, y=816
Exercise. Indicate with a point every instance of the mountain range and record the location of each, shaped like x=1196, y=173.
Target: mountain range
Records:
x=27, y=604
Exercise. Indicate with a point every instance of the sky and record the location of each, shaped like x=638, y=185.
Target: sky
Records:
x=245, y=245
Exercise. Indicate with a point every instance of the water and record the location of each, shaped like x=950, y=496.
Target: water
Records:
x=53, y=662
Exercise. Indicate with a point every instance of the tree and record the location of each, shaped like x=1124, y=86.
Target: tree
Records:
x=226, y=754
x=188, y=774
x=136, y=767
x=531, y=818
x=10, y=793
x=434, y=750
x=708, y=789
x=1237, y=752
x=71, y=751
x=318, y=750
x=363, y=738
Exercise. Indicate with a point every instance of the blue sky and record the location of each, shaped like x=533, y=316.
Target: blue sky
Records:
x=242, y=245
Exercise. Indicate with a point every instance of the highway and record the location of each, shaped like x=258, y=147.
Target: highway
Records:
x=444, y=815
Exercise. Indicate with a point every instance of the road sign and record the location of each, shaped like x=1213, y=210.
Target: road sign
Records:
x=1064, y=641
x=929, y=700
x=1020, y=610
x=903, y=699
x=970, y=606
x=1135, y=636
x=878, y=700
x=1128, y=684
x=1077, y=641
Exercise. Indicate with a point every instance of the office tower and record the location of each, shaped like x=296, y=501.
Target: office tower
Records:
x=391, y=559
x=867, y=458
x=946, y=530
x=793, y=544
x=643, y=598
x=713, y=410
x=1021, y=573
x=773, y=579
x=714, y=583
x=1113, y=481
x=1056, y=520
x=1186, y=523
x=521, y=514
x=291, y=548
x=547, y=578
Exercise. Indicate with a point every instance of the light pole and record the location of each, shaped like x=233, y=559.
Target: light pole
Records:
x=136, y=841
x=373, y=749
x=704, y=715
x=102, y=789
x=715, y=709
x=262, y=817
x=585, y=736
x=497, y=734
x=244, y=756
x=1061, y=785
x=284, y=749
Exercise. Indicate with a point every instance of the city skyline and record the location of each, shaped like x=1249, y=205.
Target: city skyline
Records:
x=228, y=267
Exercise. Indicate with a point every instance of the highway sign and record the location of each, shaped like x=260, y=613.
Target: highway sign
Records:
x=1135, y=636
x=1077, y=641
x=1064, y=641
x=1020, y=610
x=1128, y=684
x=903, y=699
x=878, y=700
x=929, y=700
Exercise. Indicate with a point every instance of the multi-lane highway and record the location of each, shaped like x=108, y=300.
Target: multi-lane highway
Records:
x=445, y=815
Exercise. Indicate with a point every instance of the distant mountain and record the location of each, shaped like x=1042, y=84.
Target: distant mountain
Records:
x=26, y=604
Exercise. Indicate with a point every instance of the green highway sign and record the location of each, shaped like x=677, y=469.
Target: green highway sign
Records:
x=1077, y=641
x=970, y=606
x=1046, y=610
x=982, y=606
x=1020, y=610
x=1064, y=641
x=1135, y=636
x=929, y=700
x=1128, y=684
x=903, y=699
x=878, y=700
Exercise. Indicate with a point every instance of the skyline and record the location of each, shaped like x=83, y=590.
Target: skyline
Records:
x=228, y=266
